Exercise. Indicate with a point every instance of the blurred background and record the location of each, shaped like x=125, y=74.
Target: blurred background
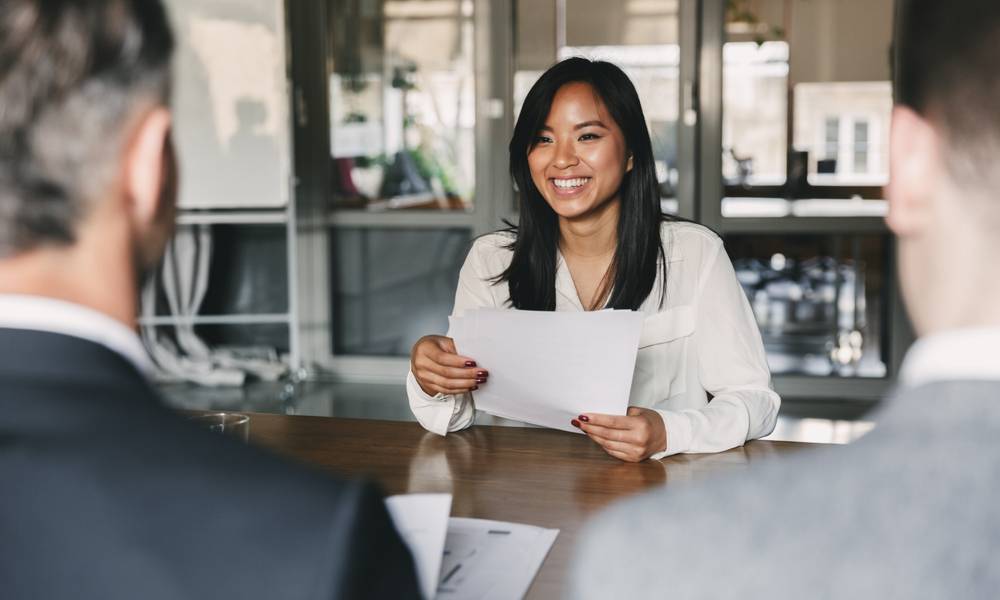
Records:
x=339, y=156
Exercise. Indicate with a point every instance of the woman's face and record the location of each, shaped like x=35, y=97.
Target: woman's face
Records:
x=579, y=157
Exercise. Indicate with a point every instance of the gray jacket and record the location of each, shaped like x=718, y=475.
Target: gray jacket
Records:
x=909, y=511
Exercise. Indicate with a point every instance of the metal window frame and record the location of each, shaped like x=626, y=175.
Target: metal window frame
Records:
x=897, y=335
x=285, y=216
x=316, y=223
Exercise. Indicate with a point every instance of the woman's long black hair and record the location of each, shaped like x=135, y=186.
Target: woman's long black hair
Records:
x=531, y=275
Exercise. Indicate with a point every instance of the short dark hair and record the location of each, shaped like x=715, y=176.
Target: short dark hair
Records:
x=639, y=255
x=948, y=71
x=72, y=73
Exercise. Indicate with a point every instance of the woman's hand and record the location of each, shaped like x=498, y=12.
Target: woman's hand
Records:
x=632, y=438
x=440, y=370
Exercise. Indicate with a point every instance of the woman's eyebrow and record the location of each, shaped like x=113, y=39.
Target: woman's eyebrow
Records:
x=577, y=126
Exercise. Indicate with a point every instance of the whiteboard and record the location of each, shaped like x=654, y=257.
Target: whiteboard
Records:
x=231, y=103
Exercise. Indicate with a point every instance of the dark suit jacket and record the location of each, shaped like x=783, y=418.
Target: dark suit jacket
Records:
x=106, y=493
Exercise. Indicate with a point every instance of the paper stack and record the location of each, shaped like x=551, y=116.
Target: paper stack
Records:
x=465, y=559
x=548, y=367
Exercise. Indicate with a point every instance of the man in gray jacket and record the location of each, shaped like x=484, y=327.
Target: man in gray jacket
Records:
x=909, y=511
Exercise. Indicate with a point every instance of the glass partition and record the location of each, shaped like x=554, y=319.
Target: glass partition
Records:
x=818, y=300
x=393, y=286
x=402, y=104
x=806, y=107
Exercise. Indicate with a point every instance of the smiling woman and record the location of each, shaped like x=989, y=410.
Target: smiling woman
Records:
x=592, y=236
x=577, y=164
x=583, y=119
x=573, y=149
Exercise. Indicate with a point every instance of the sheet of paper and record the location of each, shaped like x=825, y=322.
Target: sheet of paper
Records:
x=548, y=367
x=422, y=521
x=491, y=560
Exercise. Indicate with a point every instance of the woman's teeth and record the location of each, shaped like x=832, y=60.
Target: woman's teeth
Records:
x=570, y=183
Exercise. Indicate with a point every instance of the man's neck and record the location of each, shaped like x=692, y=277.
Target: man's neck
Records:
x=961, y=288
x=967, y=315
x=97, y=280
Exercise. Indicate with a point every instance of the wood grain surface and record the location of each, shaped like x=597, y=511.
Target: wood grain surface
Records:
x=536, y=476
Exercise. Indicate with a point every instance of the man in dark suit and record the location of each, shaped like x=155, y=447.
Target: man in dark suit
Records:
x=106, y=493
x=910, y=510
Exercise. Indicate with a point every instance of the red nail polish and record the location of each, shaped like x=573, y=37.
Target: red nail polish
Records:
x=574, y=423
x=480, y=381
x=475, y=387
x=470, y=363
x=585, y=418
x=482, y=374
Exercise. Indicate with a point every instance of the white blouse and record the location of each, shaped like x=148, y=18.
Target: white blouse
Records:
x=702, y=341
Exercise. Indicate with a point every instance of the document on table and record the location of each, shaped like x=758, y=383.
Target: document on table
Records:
x=422, y=521
x=548, y=367
x=491, y=560
x=460, y=558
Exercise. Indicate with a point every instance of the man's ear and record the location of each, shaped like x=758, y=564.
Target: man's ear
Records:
x=148, y=166
x=914, y=172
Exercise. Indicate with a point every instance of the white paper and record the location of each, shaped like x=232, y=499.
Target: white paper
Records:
x=491, y=560
x=422, y=521
x=548, y=367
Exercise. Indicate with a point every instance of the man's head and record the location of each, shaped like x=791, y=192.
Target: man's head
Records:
x=944, y=191
x=85, y=152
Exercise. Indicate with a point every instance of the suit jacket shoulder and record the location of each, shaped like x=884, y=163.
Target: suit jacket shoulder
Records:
x=119, y=497
x=906, y=512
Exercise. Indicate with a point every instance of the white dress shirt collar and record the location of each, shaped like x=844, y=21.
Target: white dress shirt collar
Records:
x=959, y=354
x=38, y=313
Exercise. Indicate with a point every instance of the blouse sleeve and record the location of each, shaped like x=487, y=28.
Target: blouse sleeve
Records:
x=732, y=367
x=443, y=413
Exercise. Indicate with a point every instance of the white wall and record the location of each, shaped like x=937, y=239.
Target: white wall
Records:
x=231, y=103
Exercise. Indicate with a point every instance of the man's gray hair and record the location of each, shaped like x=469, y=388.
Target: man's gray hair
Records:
x=72, y=75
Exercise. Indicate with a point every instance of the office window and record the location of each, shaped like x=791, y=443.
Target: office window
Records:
x=831, y=140
x=402, y=104
x=796, y=77
x=754, y=118
x=851, y=125
x=405, y=80
x=861, y=146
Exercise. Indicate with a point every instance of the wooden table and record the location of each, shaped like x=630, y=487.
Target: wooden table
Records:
x=540, y=477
